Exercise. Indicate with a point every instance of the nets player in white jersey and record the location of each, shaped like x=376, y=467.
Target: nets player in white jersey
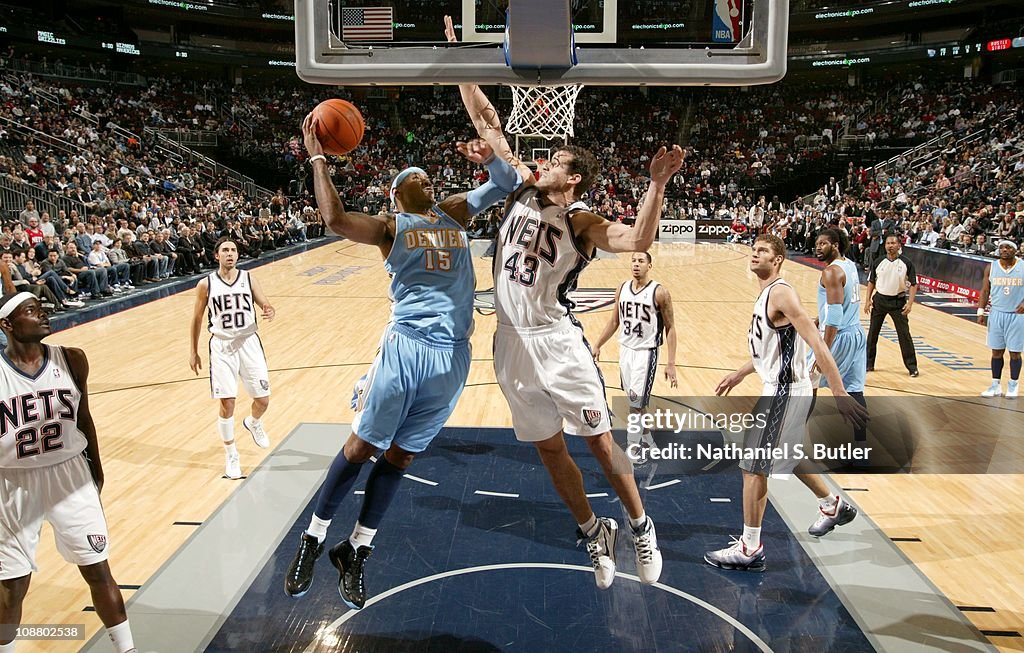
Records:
x=543, y=364
x=644, y=313
x=228, y=298
x=49, y=469
x=780, y=331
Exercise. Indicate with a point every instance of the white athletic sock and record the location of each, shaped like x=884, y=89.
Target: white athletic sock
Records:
x=318, y=528
x=362, y=536
x=121, y=636
x=828, y=504
x=226, y=428
x=639, y=521
x=751, y=537
x=7, y=648
x=589, y=526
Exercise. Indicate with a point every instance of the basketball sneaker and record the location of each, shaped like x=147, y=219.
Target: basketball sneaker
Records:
x=349, y=562
x=300, y=573
x=1012, y=391
x=736, y=557
x=258, y=434
x=232, y=466
x=648, y=555
x=601, y=547
x=843, y=513
x=994, y=390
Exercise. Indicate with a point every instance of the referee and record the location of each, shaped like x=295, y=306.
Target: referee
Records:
x=895, y=281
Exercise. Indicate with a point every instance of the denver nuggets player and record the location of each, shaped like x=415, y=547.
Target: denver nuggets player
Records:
x=780, y=332
x=421, y=368
x=644, y=312
x=839, y=316
x=1005, y=285
x=228, y=297
x=543, y=364
x=49, y=469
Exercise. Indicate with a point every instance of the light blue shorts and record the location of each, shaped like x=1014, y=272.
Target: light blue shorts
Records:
x=411, y=390
x=1006, y=331
x=850, y=349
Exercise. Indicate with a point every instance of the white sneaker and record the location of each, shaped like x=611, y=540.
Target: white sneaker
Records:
x=994, y=390
x=601, y=548
x=232, y=466
x=648, y=555
x=1012, y=389
x=258, y=434
x=74, y=302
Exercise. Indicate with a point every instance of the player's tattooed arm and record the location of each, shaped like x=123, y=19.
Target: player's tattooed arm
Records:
x=986, y=290
x=79, y=365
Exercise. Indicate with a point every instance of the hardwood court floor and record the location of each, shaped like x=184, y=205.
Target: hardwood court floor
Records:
x=163, y=459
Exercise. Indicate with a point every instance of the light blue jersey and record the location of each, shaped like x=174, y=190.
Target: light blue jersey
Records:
x=432, y=278
x=851, y=298
x=849, y=348
x=1007, y=286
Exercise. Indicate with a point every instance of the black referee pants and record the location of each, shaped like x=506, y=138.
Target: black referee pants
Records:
x=887, y=305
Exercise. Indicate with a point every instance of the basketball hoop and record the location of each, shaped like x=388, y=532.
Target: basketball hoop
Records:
x=544, y=111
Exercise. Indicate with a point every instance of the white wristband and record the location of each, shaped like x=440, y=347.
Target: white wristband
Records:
x=981, y=311
x=316, y=157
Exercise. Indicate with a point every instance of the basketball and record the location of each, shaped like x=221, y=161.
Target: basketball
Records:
x=339, y=126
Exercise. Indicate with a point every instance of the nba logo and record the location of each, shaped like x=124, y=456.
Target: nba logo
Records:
x=725, y=27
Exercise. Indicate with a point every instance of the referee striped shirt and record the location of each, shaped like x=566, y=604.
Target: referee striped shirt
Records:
x=892, y=276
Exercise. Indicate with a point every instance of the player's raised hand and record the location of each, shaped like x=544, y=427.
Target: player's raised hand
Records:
x=449, y=30
x=851, y=410
x=476, y=150
x=195, y=363
x=666, y=163
x=670, y=376
x=309, y=138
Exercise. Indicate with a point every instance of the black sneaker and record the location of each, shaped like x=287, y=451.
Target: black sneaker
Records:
x=914, y=373
x=300, y=573
x=349, y=562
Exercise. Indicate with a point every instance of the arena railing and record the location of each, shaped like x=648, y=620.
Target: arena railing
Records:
x=14, y=193
x=66, y=71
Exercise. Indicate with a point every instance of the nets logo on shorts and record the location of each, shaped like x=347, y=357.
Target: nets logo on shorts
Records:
x=633, y=396
x=592, y=417
x=97, y=542
x=586, y=300
x=265, y=384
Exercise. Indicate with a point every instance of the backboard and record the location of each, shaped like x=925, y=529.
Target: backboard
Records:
x=617, y=42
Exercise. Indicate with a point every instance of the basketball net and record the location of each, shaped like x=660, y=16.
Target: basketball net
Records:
x=544, y=111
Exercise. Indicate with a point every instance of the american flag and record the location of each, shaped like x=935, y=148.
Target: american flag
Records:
x=366, y=24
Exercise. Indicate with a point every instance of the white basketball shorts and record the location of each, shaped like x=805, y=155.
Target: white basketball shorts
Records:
x=550, y=380
x=64, y=495
x=637, y=369
x=238, y=357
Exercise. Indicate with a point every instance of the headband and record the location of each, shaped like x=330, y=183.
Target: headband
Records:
x=14, y=302
x=401, y=177
x=1007, y=241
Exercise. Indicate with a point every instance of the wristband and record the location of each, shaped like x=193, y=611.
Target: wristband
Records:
x=981, y=312
x=316, y=157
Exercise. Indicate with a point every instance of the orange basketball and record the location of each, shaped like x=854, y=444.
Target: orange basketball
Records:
x=339, y=126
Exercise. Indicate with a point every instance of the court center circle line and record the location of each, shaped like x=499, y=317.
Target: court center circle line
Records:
x=337, y=623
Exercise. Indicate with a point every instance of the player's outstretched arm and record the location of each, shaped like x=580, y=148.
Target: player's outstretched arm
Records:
x=833, y=279
x=609, y=329
x=485, y=117
x=357, y=227
x=79, y=365
x=7, y=282
x=504, y=179
x=617, y=237
x=202, y=296
x=734, y=379
x=783, y=300
x=664, y=301
x=261, y=299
